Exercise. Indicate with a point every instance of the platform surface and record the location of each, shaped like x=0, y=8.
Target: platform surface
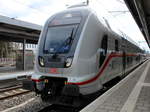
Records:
x=132, y=94
x=11, y=75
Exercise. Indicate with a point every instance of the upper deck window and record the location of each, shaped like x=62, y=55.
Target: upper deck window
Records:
x=66, y=18
x=116, y=45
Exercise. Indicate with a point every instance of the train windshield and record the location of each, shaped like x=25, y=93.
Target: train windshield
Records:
x=59, y=38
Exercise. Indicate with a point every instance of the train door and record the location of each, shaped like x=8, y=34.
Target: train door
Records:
x=103, y=52
x=114, y=69
x=123, y=57
x=124, y=62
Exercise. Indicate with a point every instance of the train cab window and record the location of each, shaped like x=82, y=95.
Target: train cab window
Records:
x=59, y=38
x=116, y=45
x=103, y=51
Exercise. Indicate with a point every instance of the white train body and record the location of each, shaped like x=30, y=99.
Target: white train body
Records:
x=88, y=54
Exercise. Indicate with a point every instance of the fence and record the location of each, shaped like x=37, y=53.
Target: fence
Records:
x=7, y=62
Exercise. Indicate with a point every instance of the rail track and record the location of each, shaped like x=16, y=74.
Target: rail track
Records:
x=58, y=108
x=12, y=91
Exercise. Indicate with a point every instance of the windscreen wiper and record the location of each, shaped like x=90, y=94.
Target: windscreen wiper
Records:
x=68, y=41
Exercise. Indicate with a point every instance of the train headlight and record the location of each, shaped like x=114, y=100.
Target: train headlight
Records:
x=68, y=62
x=41, y=61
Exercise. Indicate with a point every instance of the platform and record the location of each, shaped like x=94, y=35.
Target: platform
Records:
x=10, y=75
x=132, y=94
x=13, y=78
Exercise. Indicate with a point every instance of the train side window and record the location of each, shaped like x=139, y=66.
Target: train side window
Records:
x=137, y=58
x=131, y=60
x=128, y=60
x=103, y=51
x=116, y=45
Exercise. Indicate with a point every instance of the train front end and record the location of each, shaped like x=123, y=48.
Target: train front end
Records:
x=55, y=57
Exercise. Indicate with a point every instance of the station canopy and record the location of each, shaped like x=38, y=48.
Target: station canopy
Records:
x=140, y=9
x=16, y=30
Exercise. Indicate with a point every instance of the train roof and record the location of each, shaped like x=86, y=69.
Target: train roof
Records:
x=85, y=10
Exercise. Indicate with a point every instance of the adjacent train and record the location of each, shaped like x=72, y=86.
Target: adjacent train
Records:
x=78, y=54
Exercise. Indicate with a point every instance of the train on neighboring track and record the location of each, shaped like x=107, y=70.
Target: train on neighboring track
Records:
x=78, y=54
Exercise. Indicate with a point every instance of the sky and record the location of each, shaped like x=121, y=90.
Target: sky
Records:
x=38, y=11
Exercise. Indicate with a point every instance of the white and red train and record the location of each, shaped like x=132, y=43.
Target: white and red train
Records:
x=77, y=55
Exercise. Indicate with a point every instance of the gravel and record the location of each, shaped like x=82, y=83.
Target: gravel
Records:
x=33, y=106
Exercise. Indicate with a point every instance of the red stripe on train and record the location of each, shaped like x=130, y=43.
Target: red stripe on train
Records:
x=102, y=69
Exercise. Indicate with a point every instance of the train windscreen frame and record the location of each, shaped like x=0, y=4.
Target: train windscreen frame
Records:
x=57, y=38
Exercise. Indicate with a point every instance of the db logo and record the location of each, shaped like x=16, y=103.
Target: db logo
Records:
x=53, y=70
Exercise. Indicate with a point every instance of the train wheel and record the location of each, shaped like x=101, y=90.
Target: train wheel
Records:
x=44, y=98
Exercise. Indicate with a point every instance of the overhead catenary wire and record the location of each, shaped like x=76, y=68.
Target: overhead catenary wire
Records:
x=110, y=14
x=119, y=29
